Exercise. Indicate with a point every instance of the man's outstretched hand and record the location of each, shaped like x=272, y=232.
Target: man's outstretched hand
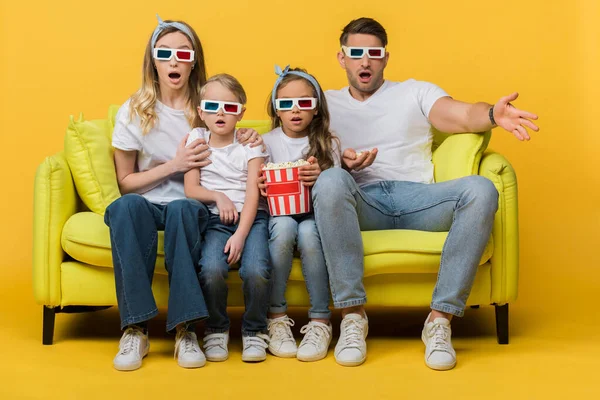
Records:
x=512, y=119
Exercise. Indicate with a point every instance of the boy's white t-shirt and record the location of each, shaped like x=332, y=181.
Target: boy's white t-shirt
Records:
x=156, y=147
x=228, y=171
x=282, y=148
x=395, y=120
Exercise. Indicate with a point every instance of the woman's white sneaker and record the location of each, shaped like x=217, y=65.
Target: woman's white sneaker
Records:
x=133, y=347
x=315, y=343
x=439, y=353
x=351, y=348
x=281, y=339
x=255, y=347
x=215, y=346
x=187, y=350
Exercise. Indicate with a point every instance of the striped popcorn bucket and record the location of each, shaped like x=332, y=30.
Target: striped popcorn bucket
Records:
x=285, y=193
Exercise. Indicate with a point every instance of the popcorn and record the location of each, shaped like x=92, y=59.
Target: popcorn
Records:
x=286, y=195
x=287, y=164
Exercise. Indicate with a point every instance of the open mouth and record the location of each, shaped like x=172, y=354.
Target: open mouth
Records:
x=296, y=120
x=365, y=76
x=220, y=123
x=174, y=75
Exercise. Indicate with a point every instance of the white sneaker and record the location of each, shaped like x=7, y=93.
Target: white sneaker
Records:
x=439, y=353
x=187, y=350
x=134, y=346
x=351, y=348
x=316, y=341
x=255, y=347
x=281, y=339
x=215, y=346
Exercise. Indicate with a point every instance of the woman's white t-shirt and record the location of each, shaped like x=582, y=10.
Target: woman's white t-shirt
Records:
x=156, y=147
x=228, y=171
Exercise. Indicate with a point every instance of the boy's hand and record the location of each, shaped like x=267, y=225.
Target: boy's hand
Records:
x=234, y=247
x=308, y=174
x=262, y=186
x=227, y=210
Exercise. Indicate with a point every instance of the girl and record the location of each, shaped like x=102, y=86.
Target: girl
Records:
x=236, y=229
x=150, y=157
x=300, y=122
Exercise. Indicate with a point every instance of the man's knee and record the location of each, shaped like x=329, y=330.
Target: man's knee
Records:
x=483, y=191
x=332, y=183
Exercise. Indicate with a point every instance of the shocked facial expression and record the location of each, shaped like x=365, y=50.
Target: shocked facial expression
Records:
x=173, y=74
x=295, y=121
x=220, y=122
x=365, y=75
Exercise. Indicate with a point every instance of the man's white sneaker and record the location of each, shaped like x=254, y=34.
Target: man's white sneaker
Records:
x=281, y=339
x=187, y=350
x=351, y=348
x=215, y=346
x=255, y=347
x=314, y=345
x=134, y=346
x=439, y=353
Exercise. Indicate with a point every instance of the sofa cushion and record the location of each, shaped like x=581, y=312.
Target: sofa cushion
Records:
x=86, y=238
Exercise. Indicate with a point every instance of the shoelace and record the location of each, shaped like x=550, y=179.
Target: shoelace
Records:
x=440, y=335
x=281, y=330
x=214, y=340
x=314, y=334
x=353, y=333
x=130, y=341
x=260, y=340
x=185, y=342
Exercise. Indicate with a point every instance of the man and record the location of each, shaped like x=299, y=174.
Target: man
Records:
x=390, y=185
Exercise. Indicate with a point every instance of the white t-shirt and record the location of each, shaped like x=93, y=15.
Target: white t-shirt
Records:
x=156, y=147
x=282, y=148
x=395, y=120
x=228, y=171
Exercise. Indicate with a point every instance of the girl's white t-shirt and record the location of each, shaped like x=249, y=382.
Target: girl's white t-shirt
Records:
x=395, y=119
x=282, y=148
x=228, y=171
x=156, y=147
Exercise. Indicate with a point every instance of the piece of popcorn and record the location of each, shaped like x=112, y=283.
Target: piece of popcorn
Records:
x=287, y=164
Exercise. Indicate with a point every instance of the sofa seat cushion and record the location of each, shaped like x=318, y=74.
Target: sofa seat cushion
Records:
x=86, y=238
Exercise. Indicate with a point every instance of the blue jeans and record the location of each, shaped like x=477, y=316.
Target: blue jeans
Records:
x=465, y=207
x=283, y=232
x=134, y=223
x=255, y=271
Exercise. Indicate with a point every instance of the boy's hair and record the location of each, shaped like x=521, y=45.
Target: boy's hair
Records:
x=367, y=26
x=230, y=83
x=143, y=101
x=320, y=138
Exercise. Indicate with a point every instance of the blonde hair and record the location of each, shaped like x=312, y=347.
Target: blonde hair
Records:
x=144, y=100
x=320, y=138
x=228, y=82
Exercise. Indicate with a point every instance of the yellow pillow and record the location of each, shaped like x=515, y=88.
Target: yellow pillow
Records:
x=90, y=156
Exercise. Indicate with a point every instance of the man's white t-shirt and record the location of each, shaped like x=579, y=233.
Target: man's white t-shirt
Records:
x=395, y=119
x=156, y=147
x=228, y=171
x=282, y=148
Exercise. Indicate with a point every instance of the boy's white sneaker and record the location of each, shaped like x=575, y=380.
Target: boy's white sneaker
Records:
x=187, y=350
x=134, y=346
x=281, y=339
x=315, y=343
x=255, y=347
x=351, y=348
x=439, y=353
x=215, y=346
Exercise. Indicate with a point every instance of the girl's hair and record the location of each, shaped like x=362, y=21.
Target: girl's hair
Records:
x=143, y=101
x=229, y=83
x=320, y=138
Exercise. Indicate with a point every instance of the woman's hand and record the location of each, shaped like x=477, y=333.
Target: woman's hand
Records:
x=193, y=156
x=249, y=136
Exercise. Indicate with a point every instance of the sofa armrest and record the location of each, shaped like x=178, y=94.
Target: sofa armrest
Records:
x=505, y=258
x=54, y=201
x=458, y=155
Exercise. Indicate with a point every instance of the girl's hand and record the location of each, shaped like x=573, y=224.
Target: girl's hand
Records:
x=309, y=173
x=193, y=156
x=262, y=186
x=356, y=162
x=234, y=247
x=249, y=136
x=227, y=211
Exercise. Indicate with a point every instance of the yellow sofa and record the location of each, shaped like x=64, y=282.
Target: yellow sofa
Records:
x=72, y=263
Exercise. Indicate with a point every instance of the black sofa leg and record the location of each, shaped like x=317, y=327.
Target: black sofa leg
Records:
x=48, y=330
x=502, y=323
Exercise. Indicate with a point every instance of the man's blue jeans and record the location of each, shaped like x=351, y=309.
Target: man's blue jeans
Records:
x=134, y=223
x=464, y=207
x=284, y=233
x=255, y=271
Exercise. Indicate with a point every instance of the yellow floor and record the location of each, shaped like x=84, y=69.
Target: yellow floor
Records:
x=553, y=354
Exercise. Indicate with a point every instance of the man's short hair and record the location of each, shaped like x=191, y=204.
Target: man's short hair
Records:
x=367, y=26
